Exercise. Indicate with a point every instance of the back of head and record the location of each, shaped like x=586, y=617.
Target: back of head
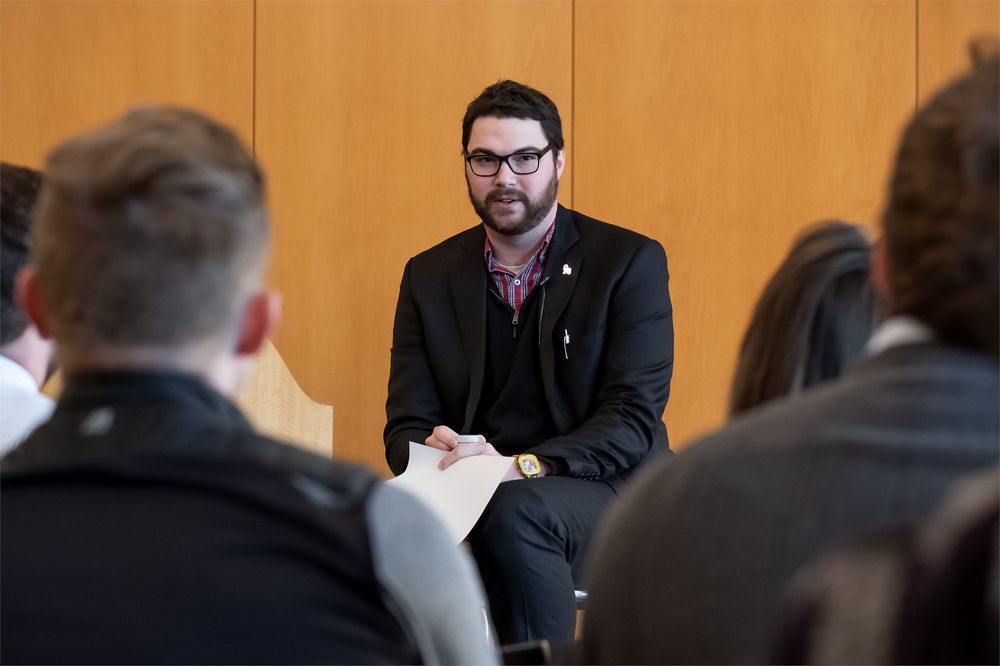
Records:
x=19, y=186
x=510, y=99
x=814, y=316
x=150, y=232
x=942, y=219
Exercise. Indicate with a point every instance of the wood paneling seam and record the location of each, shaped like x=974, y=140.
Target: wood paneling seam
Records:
x=916, y=55
x=572, y=101
x=253, y=83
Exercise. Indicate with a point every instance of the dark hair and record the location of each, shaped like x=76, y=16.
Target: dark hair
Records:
x=942, y=218
x=814, y=316
x=149, y=231
x=20, y=186
x=510, y=99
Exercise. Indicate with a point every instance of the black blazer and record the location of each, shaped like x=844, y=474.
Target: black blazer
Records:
x=606, y=286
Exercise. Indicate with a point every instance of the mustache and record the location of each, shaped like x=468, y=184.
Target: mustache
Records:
x=515, y=195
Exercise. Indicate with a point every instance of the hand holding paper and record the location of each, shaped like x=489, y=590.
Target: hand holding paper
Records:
x=458, y=494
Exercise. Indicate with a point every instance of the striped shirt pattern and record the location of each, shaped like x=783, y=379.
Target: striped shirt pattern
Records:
x=515, y=288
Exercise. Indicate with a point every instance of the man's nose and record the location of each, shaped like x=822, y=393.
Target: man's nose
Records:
x=505, y=176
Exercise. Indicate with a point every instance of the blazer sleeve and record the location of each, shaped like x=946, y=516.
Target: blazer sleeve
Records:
x=634, y=379
x=413, y=407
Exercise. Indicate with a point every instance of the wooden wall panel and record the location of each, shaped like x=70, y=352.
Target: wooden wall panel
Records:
x=721, y=129
x=69, y=66
x=359, y=108
x=944, y=29
x=718, y=127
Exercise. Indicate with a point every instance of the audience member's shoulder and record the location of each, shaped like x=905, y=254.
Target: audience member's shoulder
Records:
x=350, y=480
x=936, y=358
x=792, y=430
x=774, y=425
x=780, y=429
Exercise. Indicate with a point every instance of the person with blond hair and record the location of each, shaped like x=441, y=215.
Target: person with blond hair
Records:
x=146, y=521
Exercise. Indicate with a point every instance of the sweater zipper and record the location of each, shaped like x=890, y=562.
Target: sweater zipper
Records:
x=513, y=321
x=517, y=313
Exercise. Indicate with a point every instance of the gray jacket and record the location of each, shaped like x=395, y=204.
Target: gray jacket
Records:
x=691, y=564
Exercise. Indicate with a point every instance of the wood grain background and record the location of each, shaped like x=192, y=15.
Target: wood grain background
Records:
x=718, y=127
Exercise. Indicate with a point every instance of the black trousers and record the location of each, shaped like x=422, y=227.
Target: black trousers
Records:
x=530, y=545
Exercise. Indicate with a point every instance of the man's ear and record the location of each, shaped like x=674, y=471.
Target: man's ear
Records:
x=560, y=162
x=880, y=270
x=260, y=317
x=27, y=297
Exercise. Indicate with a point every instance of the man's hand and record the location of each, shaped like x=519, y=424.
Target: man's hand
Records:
x=443, y=438
x=480, y=448
x=446, y=439
x=464, y=450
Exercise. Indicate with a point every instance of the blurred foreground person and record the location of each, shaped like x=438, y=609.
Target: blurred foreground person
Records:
x=929, y=595
x=146, y=522
x=813, y=318
x=692, y=563
x=25, y=357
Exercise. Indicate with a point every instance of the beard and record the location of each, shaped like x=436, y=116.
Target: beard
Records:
x=534, y=210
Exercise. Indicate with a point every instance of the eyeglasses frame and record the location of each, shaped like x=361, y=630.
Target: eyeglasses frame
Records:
x=503, y=159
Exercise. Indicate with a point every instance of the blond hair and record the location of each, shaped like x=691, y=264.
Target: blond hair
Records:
x=151, y=230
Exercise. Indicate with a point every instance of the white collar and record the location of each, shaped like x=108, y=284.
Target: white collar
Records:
x=896, y=331
x=12, y=374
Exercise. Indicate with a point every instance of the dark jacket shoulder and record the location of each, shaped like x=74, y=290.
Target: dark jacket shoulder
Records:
x=571, y=226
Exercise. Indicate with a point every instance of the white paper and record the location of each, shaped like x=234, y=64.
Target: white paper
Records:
x=459, y=494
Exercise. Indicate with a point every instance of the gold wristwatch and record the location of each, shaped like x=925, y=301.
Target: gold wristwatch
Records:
x=528, y=465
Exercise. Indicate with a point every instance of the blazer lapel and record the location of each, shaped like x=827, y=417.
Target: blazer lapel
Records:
x=468, y=291
x=562, y=268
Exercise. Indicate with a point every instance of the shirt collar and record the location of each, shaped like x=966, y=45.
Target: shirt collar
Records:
x=492, y=264
x=12, y=374
x=897, y=331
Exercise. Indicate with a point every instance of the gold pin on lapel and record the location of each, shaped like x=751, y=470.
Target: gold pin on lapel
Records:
x=567, y=270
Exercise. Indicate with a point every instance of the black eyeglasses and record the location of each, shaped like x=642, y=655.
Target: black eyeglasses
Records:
x=522, y=163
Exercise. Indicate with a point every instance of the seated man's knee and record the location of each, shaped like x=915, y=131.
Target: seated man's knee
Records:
x=516, y=506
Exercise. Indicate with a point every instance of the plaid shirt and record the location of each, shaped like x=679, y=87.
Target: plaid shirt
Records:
x=515, y=288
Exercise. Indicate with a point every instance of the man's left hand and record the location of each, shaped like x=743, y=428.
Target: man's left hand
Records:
x=482, y=448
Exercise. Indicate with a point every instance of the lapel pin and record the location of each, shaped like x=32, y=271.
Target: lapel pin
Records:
x=567, y=270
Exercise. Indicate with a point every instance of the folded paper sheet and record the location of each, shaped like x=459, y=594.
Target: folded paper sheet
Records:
x=459, y=494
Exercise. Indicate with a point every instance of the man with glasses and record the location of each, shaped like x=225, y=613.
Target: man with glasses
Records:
x=549, y=336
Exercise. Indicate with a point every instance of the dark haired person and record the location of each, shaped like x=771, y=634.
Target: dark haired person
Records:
x=548, y=334
x=25, y=356
x=692, y=563
x=146, y=522
x=813, y=318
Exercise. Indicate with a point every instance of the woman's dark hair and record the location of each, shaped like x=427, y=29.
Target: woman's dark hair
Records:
x=814, y=316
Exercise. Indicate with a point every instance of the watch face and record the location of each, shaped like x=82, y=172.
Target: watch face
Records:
x=529, y=465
